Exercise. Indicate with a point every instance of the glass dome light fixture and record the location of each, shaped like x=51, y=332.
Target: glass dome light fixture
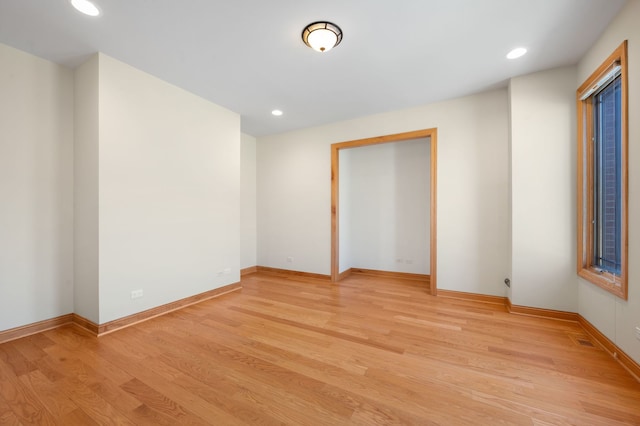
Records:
x=322, y=36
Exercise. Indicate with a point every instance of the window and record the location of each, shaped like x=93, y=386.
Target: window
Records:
x=602, y=175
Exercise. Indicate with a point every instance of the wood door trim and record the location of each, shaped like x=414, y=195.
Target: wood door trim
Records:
x=335, y=184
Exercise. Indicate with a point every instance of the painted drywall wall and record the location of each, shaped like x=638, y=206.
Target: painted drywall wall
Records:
x=294, y=189
x=345, y=202
x=509, y=203
x=614, y=317
x=36, y=189
x=543, y=134
x=248, y=224
x=169, y=192
x=387, y=202
x=86, y=301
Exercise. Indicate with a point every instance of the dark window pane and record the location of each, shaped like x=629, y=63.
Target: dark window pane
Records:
x=607, y=178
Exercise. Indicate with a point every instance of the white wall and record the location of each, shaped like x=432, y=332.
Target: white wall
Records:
x=168, y=191
x=294, y=189
x=345, y=246
x=612, y=316
x=36, y=189
x=86, y=297
x=510, y=201
x=387, y=206
x=543, y=169
x=156, y=202
x=248, y=221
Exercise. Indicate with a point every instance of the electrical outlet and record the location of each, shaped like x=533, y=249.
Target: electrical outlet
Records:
x=399, y=260
x=409, y=261
x=638, y=333
x=135, y=294
x=289, y=259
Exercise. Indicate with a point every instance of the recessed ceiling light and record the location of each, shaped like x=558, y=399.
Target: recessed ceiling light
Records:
x=516, y=53
x=86, y=7
x=276, y=112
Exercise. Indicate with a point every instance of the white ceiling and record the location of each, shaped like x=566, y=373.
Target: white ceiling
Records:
x=248, y=56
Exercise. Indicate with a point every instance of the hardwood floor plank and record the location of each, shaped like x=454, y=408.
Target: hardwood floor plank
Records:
x=266, y=402
x=301, y=351
x=99, y=410
x=266, y=374
x=115, y=396
x=523, y=356
x=88, y=353
x=29, y=348
x=7, y=417
x=13, y=358
x=77, y=418
x=160, y=403
x=611, y=413
x=541, y=416
x=322, y=331
x=48, y=393
x=157, y=379
x=224, y=394
x=144, y=415
x=366, y=388
x=23, y=402
x=223, y=369
x=461, y=408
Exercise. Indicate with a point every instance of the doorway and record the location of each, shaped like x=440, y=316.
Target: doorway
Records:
x=431, y=134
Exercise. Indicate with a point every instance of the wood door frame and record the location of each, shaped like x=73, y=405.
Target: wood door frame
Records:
x=432, y=134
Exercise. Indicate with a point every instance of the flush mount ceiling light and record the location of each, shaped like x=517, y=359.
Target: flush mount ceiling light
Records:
x=322, y=36
x=276, y=112
x=86, y=7
x=516, y=53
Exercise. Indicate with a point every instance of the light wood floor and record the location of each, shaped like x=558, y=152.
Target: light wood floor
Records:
x=299, y=351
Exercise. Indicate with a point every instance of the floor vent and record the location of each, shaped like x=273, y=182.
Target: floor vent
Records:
x=581, y=339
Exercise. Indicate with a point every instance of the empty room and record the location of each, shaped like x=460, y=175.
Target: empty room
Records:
x=370, y=212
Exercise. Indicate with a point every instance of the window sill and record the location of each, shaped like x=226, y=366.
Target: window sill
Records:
x=604, y=280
